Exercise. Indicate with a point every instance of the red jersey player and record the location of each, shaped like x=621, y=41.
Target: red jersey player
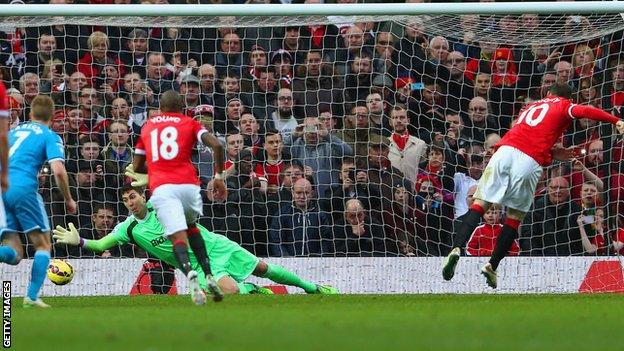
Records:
x=165, y=146
x=514, y=170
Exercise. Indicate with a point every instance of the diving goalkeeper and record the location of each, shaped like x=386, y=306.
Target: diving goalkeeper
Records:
x=230, y=263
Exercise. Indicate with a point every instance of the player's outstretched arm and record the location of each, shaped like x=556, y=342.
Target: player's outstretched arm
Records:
x=594, y=113
x=69, y=236
x=62, y=181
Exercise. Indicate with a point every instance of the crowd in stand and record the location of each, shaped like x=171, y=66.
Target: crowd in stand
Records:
x=358, y=139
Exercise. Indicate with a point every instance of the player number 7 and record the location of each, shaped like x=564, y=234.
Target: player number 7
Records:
x=21, y=136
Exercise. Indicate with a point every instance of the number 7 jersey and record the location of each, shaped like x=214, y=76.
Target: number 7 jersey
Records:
x=167, y=142
x=541, y=124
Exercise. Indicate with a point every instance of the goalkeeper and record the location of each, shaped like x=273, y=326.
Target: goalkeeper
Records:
x=230, y=263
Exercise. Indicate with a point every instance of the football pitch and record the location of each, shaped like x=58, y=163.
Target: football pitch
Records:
x=342, y=322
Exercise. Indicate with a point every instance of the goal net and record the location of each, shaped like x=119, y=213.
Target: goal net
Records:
x=354, y=140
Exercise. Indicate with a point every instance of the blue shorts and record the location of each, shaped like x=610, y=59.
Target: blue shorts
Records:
x=24, y=212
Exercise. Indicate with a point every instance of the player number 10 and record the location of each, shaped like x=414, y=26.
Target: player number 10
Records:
x=528, y=116
x=168, y=145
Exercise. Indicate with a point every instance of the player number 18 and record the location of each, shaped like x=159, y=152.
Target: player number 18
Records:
x=528, y=115
x=168, y=148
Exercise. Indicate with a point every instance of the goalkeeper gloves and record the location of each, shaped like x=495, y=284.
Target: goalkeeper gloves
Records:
x=140, y=179
x=64, y=236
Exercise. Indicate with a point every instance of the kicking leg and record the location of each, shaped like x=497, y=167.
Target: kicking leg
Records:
x=503, y=244
x=199, y=249
x=43, y=246
x=281, y=275
x=180, y=251
x=469, y=223
x=11, y=251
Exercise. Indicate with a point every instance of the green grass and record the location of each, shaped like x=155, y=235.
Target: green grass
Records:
x=343, y=322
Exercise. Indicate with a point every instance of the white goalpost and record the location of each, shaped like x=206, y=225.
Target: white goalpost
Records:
x=330, y=80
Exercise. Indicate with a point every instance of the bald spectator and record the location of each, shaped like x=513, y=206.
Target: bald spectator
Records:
x=563, y=71
x=208, y=78
x=360, y=235
x=481, y=123
x=550, y=228
x=301, y=229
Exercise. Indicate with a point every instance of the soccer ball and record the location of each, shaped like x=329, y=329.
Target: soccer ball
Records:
x=60, y=272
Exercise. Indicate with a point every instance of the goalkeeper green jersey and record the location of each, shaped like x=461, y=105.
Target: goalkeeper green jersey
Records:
x=147, y=233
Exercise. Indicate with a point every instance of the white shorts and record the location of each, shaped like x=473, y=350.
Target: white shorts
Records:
x=509, y=179
x=176, y=205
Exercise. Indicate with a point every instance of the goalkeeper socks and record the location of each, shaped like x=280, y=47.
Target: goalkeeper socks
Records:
x=199, y=248
x=469, y=223
x=38, y=273
x=8, y=255
x=505, y=241
x=281, y=275
x=180, y=250
x=246, y=288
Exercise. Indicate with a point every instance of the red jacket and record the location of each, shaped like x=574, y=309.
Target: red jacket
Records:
x=483, y=241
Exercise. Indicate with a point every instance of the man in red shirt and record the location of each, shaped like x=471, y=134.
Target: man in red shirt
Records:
x=165, y=147
x=514, y=170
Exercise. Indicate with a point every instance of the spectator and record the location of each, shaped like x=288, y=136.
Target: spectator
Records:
x=483, y=239
x=353, y=47
x=481, y=122
x=316, y=88
x=29, y=85
x=300, y=229
x=291, y=172
x=158, y=78
x=359, y=78
x=135, y=56
x=117, y=154
x=283, y=62
x=46, y=51
x=263, y=94
x=282, y=117
x=229, y=58
x=312, y=145
x=398, y=219
x=550, y=229
x=139, y=97
x=208, y=77
x=426, y=112
x=378, y=120
x=353, y=185
x=439, y=172
x=271, y=160
x=463, y=181
x=234, y=143
x=99, y=55
x=119, y=111
x=357, y=132
x=189, y=89
x=360, y=235
x=250, y=129
x=384, y=52
x=433, y=218
x=591, y=228
x=91, y=107
x=406, y=151
x=458, y=87
x=382, y=176
x=563, y=72
x=246, y=191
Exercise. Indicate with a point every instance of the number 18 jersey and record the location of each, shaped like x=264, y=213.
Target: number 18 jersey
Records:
x=167, y=142
x=539, y=126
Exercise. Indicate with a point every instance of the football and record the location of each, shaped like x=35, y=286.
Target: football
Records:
x=60, y=272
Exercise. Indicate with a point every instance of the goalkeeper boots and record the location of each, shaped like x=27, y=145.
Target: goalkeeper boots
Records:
x=326, y=290
x=260, y=290
x=28, y=303
x=213, y=288
x=197, y=294
x=490, y=275
x=450, y=263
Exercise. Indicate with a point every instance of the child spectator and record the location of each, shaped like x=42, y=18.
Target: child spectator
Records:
x=483, y=239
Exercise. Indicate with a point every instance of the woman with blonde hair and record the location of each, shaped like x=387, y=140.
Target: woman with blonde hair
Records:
x=93, y=62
